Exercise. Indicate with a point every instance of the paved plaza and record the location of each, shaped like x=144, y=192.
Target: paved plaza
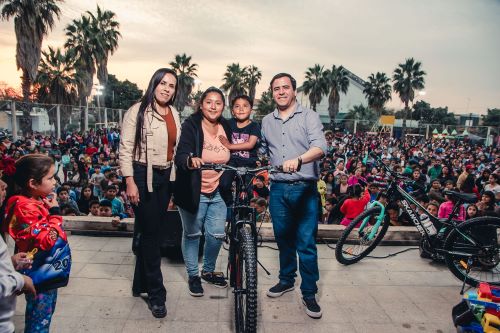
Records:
x=398, y=294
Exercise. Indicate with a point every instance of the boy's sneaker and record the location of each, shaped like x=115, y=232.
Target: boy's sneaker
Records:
x=195, y=288
x=279, y=289
x=313, y=309
x=215, y=278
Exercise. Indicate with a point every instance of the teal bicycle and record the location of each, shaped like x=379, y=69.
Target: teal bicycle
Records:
x=470, y=249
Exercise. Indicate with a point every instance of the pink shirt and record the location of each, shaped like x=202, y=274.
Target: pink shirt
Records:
x=446, y=208
x=213, y=152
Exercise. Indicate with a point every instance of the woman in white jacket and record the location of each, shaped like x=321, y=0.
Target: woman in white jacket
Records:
x=150, y=133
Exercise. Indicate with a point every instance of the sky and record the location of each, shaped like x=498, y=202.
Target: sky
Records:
x=457, y=41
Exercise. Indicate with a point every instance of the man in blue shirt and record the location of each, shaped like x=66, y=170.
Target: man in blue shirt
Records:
x=293, y=137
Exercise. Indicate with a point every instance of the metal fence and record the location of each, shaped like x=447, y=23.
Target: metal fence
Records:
x=56, y=119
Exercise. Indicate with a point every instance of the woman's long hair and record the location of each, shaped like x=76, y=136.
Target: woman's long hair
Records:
x=148, y=101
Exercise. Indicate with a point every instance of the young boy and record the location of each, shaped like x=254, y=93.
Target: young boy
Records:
x=260, y=189
x=94, y=207
x=64, y=199
x=261, y=209
x=105, y=210
x=96, y=179
x=245, y=133
x=116, y=204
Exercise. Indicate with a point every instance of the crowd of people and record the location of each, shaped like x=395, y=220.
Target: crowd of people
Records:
x=142, y=169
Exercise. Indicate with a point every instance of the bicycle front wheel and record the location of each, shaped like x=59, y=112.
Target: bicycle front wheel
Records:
x=472, y=251
x=245, y=293
x=355, y=243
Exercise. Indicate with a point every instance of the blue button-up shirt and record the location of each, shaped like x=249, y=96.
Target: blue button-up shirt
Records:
x=287, y=139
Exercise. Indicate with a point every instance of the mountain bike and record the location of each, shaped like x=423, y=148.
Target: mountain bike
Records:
x=241, y=234
x=470, y=248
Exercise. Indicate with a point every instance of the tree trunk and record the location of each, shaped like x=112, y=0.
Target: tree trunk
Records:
x=405, y=115
x=25, y=121
x=333, y=104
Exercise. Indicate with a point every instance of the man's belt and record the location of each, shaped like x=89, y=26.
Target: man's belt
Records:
x=159, y=167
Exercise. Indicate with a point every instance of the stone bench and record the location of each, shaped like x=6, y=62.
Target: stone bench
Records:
x=327, y=232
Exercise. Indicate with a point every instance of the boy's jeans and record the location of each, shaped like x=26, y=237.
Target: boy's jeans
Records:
x=211, y=218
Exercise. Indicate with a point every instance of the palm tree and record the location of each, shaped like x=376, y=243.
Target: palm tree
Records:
x=57, y=82
x=252, y=78
x=377, y=91
x=338, y=81
x=266, y=105
x=407, y=78
x=186, y=72
x=32, y=21
x=316, y=84
x=106, y=26
x=365, y=116
x=234, y=81
x=81, y=44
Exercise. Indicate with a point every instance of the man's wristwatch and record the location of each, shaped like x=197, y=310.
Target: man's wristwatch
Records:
x=300, y=163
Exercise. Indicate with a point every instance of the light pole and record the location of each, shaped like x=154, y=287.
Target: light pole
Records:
x=98, y=92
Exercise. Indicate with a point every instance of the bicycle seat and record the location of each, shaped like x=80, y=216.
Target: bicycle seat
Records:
x=465, y=197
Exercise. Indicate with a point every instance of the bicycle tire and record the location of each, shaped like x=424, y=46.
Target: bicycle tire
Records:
x=341, y=249
x=478, y=228
x=245, y=304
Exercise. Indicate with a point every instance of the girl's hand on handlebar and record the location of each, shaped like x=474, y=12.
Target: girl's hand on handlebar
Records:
x=195, y=163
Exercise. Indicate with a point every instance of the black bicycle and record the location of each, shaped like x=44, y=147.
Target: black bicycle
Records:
x=470, y=249
x=241, y=234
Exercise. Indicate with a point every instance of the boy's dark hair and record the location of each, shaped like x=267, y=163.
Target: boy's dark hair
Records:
x=261, y=202
x=67, y=210
x=279, y=76
x=245, y=97
x=62, y=189
x=382, y=195
x=32, y=166
x=253, y=200
x=97, y=166
x=105, y=203
x=111, y=187
x=94, y=202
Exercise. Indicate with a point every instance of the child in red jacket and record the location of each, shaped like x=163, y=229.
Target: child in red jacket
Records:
x=34, y=224
x=352, y=207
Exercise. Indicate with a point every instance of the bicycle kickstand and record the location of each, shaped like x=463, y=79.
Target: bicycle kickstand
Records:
x=265, y=270
x=467, y=267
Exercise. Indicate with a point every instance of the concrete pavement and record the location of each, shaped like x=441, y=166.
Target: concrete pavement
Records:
x=398, y=294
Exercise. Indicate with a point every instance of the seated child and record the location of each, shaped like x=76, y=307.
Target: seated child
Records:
x=116, y=204
x=261, y=209
x=105, y=210
x=64, y=199
x=94, y=207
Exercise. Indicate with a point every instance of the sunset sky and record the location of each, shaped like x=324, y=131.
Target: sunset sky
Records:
x=457, y=41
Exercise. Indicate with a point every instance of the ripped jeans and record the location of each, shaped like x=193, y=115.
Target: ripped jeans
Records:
x=211, y=218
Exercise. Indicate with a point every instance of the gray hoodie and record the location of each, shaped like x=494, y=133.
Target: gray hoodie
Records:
x=10, y=282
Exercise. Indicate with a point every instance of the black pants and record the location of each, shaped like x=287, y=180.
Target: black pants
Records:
x=149, y=214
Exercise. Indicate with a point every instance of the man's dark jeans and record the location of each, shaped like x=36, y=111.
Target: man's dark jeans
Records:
x=294, y=211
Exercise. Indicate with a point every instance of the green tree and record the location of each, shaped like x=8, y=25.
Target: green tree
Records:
x=408, y=78
x=266, y=105
x=316, y=84
x=252, y=79
x=32, y=22
x=186, y=73
x=338, y=82
x=57, y=83
x=234, y=81
x=492, y=117
x=364, y=116
x=195, y=99
x=377, y=91
x=121, y=94
x=107, y=34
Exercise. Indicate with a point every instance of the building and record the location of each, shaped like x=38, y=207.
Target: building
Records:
x=39, y=118
x=354, y=96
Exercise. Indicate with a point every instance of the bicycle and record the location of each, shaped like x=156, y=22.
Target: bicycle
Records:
x=241, y=234
x=470, y=248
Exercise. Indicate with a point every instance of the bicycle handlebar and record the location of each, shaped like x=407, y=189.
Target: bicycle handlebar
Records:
x=241, y=170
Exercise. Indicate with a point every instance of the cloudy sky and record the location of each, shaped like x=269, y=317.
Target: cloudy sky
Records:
x=457, y=41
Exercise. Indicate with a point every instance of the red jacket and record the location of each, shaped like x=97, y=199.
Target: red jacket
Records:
x=353, y=207
x=29, y=223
